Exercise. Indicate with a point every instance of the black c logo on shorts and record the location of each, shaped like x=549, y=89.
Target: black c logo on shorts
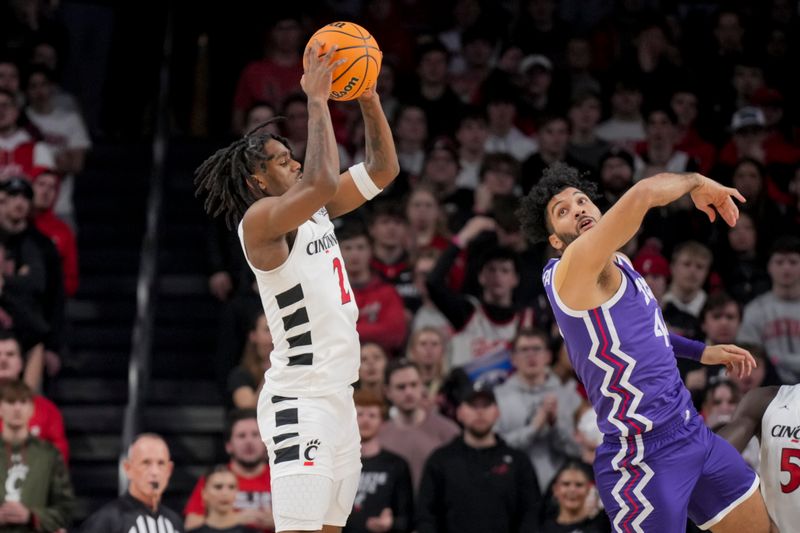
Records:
x=309, y=450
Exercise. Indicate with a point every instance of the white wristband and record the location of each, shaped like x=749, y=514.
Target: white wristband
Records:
x=363, y=182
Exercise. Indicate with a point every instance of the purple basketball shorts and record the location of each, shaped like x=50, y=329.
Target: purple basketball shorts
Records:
x=652, y=482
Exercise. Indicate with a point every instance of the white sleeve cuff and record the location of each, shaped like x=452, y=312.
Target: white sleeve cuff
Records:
x=363, y=182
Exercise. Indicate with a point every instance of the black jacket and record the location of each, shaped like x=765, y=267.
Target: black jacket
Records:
x=487, y=490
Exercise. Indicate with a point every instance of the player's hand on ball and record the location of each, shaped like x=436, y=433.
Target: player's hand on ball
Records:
x=368, y=95
x=316, y=81
x=736, y=360
x=712, y=198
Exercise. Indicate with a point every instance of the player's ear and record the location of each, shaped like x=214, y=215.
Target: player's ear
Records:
x=555, y=242
x=258, y=180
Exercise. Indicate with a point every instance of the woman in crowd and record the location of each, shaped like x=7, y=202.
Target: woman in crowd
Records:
x=721, y=398
x=245, y=381
x=219, y=495
x=577, y=503
x=373, y=365
x=425, y=219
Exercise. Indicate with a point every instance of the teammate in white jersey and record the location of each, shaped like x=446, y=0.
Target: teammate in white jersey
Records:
x=305, y=410
x=772, y=414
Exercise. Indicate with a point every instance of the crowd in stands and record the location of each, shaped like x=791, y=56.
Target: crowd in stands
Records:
x=43, y=145
x=470, y=415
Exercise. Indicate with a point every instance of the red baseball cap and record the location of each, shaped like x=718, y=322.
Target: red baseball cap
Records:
x=651, y=262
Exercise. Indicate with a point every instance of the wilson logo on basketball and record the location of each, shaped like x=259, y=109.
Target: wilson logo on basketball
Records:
x=347, y=88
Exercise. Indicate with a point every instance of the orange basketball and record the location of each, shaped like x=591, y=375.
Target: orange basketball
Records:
x=361, y=54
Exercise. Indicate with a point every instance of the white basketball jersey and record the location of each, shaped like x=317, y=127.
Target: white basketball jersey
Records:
x=780, y=458
x=311, y=313
x=482, y=336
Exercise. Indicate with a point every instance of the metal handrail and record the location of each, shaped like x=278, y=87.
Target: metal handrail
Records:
x=142, y=337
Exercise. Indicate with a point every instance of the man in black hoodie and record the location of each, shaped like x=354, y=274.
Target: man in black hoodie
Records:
x=477, y=483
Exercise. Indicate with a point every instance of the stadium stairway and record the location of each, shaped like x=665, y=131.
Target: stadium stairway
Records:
x=91, y=389
x=183, y=403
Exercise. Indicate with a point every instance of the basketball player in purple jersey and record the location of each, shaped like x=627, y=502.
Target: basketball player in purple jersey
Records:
x=658, y=461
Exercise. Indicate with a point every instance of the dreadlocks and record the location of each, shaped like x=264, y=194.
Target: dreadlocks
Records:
x=555, y=178
x=226, y=178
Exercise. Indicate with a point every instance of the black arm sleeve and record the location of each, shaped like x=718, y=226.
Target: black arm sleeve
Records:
x=456, y=307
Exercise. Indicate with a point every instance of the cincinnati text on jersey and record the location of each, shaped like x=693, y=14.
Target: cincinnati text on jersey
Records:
x=323, y=243
x=789, y=432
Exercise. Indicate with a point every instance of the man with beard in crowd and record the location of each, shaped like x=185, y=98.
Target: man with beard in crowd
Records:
x=249, y=464
x=450, y=499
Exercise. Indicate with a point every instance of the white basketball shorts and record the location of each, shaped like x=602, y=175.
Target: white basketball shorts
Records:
x=314, y=450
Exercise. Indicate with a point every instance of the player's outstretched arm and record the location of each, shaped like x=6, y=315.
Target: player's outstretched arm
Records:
x=736, y=360
x=593, y=250
x=272, y=217
x=381, y=163
x=746, y=420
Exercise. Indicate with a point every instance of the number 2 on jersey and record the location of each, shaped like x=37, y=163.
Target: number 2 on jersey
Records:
x=787, y=465
x=337, y=266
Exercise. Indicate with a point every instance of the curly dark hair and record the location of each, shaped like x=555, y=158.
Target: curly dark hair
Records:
x=533, y=207
x=225, y=178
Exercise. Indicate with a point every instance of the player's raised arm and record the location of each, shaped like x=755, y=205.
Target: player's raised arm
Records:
x=588, y=255
x=362, y=182
x=281, y=212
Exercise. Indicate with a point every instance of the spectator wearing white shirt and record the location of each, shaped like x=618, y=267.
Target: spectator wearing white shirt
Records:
x=773, y=319
x=625, y=127
x=471, y=134
x=64, y=132
x=503, y=135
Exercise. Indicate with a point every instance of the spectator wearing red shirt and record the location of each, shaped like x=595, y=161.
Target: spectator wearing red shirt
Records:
x=20, y=154
x=770, y=102
x=751, y=139
x=684, y=102
x=275, y=76
x=45, y=193
x=389, y=231
x=381, y=316
x=46, y=422
x=249, y=463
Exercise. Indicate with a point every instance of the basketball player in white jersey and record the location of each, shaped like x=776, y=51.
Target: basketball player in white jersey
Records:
x=283, y=210
x=772, y=414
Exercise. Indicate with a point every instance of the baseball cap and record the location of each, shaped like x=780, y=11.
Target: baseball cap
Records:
x=479, y=394
x=535, y=60
x=18, y=185
x=747, y=117
x=651, y=262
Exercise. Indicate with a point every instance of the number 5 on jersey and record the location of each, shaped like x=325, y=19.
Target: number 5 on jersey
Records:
x=339, y=269
x=790, y=462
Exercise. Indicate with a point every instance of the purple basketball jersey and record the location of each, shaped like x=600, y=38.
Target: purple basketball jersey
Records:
x=622, y=355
